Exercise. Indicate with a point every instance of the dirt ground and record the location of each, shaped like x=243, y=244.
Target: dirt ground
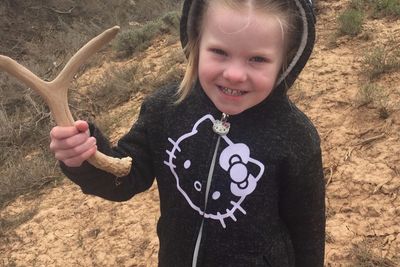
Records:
x=361, y=164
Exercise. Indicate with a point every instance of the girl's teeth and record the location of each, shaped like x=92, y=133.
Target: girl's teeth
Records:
x=232, y=92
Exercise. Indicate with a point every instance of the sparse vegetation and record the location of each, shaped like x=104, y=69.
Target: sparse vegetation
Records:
x=377, y=61
x=383, y=111
x=121, y=85
x=14, y=221
x=24, y=159
x=26, y=164
x=366, y=94
x=350, y=22
x=138, y=39
x=375, y=95
x=115, y=87
x=351, y=19
x=118, y=85
x=386, y=8
x=357, y=4
x=329, y=238
x=380, y=60
x=364, y=256
x=44, y=47
x=30, y=173
x=378, y=8
x=170, y=71
x=171, y=20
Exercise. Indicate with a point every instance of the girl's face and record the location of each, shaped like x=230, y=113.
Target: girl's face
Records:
x=240, y=56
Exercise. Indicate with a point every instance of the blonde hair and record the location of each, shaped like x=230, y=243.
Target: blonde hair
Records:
x=283, y=10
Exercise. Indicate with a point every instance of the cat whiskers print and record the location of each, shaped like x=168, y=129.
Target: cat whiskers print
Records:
x=236, y=171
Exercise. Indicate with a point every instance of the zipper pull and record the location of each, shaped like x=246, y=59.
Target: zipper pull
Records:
x=222, y=126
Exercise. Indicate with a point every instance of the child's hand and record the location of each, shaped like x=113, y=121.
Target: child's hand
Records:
x=72, y=144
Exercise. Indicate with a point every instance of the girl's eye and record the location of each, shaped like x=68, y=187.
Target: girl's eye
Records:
x=258, y=59
x=218, y=51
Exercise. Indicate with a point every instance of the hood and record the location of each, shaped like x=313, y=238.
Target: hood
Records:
x=304, y=42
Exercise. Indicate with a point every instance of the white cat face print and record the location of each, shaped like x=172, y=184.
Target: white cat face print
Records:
x=234, y=176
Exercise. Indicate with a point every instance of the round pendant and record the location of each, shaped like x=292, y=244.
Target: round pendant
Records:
x=221, y=127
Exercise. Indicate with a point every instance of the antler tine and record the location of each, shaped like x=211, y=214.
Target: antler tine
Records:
x=23, y=74
x=71, y=68
x=55, y=95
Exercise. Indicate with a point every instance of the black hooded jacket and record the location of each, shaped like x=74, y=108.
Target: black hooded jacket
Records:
x=252, y=197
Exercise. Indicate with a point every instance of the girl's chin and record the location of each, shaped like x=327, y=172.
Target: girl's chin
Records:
x=227, y=104
x=230, y=110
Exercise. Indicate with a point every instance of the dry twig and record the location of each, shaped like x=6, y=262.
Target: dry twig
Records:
x=69, y=11
x=330, y=176
x=369, y=140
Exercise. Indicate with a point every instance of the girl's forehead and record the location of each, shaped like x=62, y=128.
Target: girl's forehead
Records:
x=229, y=21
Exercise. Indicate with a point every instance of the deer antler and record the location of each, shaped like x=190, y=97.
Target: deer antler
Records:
x=55, y=95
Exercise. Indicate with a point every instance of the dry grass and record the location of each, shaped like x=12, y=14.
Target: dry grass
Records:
x=329, y=238
x=381, y=60
x=377, y=62
x=368, y=93
x=115, y=86
x=386, y=8
x=11, y=222
x=378, y=8
x=28, y=174
x=364, y=256
x=351, y=20
x=376, y=96
x=132, y=80
x=169, y=72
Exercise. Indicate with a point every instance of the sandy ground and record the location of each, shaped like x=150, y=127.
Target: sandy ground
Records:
x=361, y=164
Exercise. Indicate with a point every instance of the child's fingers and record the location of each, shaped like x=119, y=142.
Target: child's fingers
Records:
x=78, y=160
x=75, y=151
x=62, y=132
x=70, y=142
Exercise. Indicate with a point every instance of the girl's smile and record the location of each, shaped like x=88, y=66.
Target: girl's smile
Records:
x=240, y=55
x=231, y=92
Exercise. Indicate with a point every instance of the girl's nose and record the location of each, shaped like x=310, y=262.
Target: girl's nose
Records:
x=235, y=72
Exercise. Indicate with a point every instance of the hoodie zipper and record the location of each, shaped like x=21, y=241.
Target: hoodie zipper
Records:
x=220, y=127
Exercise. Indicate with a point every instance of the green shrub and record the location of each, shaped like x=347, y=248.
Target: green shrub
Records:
x=387, y=8
x=171, y=21
x=138, y=39
x=378, y=8
x=380, y=60
x=350, y=22
x=366, y=94
x=357, y=4
x=375, y=95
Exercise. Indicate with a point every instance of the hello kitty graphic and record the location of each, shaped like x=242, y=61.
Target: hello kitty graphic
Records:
x=234, y=174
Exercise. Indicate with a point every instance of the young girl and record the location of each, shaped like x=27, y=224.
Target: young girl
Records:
x=238, y=166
